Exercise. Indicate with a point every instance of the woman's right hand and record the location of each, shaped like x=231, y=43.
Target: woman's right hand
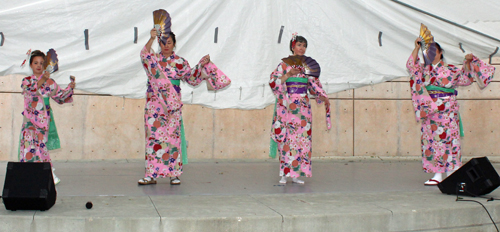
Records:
x=293, y=72
x=45, y=76
x=72, y=83
x=418, y=43
x=153, y=33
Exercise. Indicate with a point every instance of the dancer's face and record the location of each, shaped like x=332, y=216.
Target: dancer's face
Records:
x=37, y=65
x=299, y=49
x=168, y=48
x=438, y=57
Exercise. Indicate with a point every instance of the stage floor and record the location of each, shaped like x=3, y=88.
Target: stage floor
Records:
x=342, y=195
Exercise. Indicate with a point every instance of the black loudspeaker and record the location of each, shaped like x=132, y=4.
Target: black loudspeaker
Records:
x=29, y=186
x=477, y=177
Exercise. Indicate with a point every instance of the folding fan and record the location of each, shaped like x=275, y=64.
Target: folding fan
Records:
x=430, y=53
x=305, y=63
x=427, y=44
x=50, y=64
x=162, y=23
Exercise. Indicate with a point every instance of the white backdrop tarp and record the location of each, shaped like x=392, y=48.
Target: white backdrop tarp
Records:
x=343, y=36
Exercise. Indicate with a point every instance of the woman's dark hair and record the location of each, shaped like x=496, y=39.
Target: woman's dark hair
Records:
x=298, y=39
x=440, y=50
x=35, y=54
x=172, y=35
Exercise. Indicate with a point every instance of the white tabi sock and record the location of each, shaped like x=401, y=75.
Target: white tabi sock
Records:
x=438, y=177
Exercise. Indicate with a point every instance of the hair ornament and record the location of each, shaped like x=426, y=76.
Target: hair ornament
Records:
x=294, y=38
x=28, y=56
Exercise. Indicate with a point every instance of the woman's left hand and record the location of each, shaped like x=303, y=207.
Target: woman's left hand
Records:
x=468, y=57
x=205, y=60
x=468, y=60
x=72, y=83
x=323, y=98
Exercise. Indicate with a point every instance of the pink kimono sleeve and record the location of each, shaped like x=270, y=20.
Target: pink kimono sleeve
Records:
x=60, y=95
x=422, y=104
x=216, y=79
x=316, y=89
x=159, y=79
x=278, y=130
x=480, y=70
x=278, y=88
x=191, y=76
x=33, y=104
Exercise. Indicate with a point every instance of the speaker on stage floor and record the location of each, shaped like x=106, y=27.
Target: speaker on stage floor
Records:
x=477, y=177
x=29, y=186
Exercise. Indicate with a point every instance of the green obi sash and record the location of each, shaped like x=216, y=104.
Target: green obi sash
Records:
x=53, y=141
x=183, y=138
x=175, y=82
x=297, y=79
x=273, y=145
x=447, y=90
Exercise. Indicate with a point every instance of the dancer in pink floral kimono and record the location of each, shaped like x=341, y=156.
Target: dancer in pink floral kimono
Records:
x=165, y=150
x=435, y=102
x=292, y=121
x=37, y=89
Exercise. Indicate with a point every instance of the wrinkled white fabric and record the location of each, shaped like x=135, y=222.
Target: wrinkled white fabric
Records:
x=342, y=35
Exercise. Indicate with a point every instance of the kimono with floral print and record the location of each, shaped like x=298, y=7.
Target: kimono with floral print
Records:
x=163, y=113
x=36, y=117
x=292, y=123
x=440, y=132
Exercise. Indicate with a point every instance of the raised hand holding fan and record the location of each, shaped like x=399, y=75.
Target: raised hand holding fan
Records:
x=51, y=62
x=427, y=44
x=162, y=25
x=305, y=64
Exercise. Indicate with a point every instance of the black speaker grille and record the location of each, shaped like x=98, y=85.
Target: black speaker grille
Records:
x=478, y=175
x=29, y=186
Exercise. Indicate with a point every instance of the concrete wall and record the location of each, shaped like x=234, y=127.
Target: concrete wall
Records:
x=373, y=121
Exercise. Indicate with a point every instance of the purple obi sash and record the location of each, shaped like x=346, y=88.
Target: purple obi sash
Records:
x=438, y=94
x=176, y=84
x=296, y=87
x=177, y=88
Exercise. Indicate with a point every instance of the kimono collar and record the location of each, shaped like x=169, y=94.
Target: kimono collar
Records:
x=171, y=56
x=439, y=64
x=34, y=77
